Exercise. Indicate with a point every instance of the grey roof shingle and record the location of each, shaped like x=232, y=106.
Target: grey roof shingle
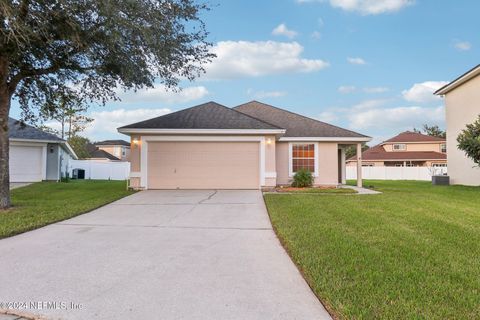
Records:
x=95, y=153
x=113, y=143
x=19, y=130
x=210, y=115
x=295, y=124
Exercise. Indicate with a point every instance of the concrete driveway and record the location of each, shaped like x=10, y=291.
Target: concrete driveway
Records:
x=159, y=255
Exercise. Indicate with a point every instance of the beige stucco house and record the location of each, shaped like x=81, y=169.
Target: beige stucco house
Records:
x=251, y=146
x=407, y=149
x=120, y=149
x=462, y=102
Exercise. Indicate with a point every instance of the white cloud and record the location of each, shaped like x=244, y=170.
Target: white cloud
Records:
x=107, y=122
x=376, y=89
x=346, y=89
x=236, y=59
x=316, y=35
x=160, y=94
x=327, y=116
x=423, y=92
x=371, y=7
x=366, y=7
x=463, y=45
x=282, y=30
x=266, y=94
x=400, y=118
x=369, y=104
x=357, y=61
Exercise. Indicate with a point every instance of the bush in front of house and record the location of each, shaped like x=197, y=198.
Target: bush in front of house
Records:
x=302, y=179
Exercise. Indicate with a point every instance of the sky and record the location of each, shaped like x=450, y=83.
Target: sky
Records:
x=370, y=66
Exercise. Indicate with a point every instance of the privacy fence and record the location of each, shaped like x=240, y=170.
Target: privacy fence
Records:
x=102, y=170
x=396, y=173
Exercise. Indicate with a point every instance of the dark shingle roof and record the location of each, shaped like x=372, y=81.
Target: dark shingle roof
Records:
x=113, y=143
x=209, y=115
x=295, y=124
x=20, y=130
x=409, y=136
x=379, y=153
x=96, y=153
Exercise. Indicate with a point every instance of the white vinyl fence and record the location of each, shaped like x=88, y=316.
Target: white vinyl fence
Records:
x=102, y=170
x=396, y=173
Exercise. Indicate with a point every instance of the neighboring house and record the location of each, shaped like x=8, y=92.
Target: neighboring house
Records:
x=118, y=148
x=98, y=154
x=462, y=102
x=408, y=149
x=36, y=155
x=254, y=145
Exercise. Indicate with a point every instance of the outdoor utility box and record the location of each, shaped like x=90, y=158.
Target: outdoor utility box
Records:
x=440, y=180
x=78, y=174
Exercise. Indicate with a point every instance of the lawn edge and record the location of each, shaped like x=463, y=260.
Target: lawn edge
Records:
x=330, y=310
x=60, y=220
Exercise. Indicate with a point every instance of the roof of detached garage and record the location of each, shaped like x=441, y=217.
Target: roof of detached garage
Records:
x=295, y=124
x=210, y=115
x=20, y=130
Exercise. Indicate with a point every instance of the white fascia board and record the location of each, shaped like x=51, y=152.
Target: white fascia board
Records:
x=201, y=131
x=35, y=140
x=458, y=82
x=326, y=139
x=70, y=150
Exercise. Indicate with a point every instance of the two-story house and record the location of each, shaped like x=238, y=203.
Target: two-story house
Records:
x=462, y=104
x=118, y=148
x=408, y=149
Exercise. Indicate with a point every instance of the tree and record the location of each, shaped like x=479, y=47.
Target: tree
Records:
x=69, y=112
x=352, y=150
x=433, y=131
x=80, y=146
x=469, y=141
x=90, y=50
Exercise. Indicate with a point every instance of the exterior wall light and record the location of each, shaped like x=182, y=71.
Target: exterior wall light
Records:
x=135, y=141
x=269, y=141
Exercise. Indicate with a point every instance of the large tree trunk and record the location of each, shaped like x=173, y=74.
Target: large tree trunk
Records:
x=4, y=145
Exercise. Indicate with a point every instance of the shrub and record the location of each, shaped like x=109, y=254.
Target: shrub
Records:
x=302, y=179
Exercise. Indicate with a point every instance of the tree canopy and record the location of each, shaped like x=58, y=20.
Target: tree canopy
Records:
x=433, y=131
x=91, y=50
x=469, y=141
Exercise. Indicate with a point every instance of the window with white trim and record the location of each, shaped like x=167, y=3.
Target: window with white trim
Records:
x=443, y=148
x=399, y=147
x=303, y=157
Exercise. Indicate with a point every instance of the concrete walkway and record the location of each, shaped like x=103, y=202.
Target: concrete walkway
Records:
x=159, y=255
x=15, y=185
x=361, y=191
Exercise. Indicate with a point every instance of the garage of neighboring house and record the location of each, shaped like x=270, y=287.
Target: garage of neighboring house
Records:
x=27, y=162
x=36, y=155
x=197, y=165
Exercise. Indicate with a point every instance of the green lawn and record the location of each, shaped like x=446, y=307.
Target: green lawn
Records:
x=42, y=203
x=412, y=252
x=318, y=190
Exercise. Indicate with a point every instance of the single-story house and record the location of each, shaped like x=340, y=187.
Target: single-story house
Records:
x=36, y=155
x=252, y=146
x=407, y=149
x=120, y=149
x=462, y=103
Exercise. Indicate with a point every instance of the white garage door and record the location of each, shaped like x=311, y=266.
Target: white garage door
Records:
x=203, y=165
x=26, y=164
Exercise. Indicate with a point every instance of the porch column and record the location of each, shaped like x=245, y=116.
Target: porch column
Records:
x=359, y=165
x=343, y=167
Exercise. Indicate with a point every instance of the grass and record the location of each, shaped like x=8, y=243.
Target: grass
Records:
x=318, y=190
x=412, y=252
x=43, y=203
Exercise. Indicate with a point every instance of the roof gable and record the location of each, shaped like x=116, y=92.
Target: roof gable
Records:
x=210, y=115
x=378, y=152
x=20, y=130
x=409, y=136
x=467, y=76
x=295, y=124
